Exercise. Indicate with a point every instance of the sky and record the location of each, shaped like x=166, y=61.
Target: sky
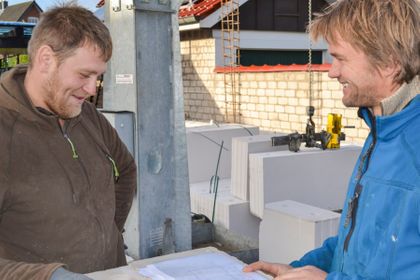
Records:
x=45, y=4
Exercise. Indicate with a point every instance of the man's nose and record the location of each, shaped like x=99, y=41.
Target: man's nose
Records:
x=90, y=86
x=334, y=71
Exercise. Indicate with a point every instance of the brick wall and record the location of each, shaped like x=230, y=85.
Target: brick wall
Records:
x=274, y=101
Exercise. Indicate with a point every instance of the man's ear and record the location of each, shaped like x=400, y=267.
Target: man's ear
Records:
x=45, y=59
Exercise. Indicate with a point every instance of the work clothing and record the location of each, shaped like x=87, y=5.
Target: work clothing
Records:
x=379, y=231
x=65, y=192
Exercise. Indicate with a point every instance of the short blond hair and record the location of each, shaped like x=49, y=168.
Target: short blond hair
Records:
x=387, y=31
x=67, y=28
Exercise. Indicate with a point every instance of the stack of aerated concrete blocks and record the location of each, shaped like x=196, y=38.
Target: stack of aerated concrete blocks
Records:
x=254, y=174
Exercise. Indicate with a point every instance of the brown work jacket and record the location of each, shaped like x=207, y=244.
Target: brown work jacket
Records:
x=60, y=202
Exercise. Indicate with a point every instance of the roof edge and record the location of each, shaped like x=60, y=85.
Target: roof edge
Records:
x=274, y=68
x=213, y=18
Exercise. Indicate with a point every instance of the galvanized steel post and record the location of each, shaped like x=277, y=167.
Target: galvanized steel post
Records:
x=163, y=217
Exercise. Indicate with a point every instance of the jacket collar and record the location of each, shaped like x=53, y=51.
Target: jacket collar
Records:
x=390, y=126
x=13, y=95
x=400, y=98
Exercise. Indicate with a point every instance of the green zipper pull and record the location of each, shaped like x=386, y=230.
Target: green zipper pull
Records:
x=114, y=168
x=73, y=149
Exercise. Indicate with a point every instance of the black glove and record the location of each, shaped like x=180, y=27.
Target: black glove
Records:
x=63, y=274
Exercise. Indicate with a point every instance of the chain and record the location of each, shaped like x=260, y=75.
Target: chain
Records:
x=310, y=52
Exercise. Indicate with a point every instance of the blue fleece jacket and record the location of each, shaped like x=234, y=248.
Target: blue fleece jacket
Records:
x=379, y=232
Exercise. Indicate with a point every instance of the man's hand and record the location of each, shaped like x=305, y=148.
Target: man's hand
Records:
x=273, y=269
x=308, y=272
x=286, y=272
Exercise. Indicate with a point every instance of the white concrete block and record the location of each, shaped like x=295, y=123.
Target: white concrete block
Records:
x=203, y=146
x=290, y=229
x=231, y=213
x=241, y=148
x=311, y=176
x=190, y=123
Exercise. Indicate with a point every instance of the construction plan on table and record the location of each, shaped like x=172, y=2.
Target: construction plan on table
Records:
x=211, y=265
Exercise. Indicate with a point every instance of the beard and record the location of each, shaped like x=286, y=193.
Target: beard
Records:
x=58, y=100
x=361, y=95
x=359, y=99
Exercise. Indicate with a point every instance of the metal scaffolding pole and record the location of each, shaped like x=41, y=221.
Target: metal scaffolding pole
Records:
x=145, y=78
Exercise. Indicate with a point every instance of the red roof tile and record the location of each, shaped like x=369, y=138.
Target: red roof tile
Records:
x=200, y=8
x=276, y=68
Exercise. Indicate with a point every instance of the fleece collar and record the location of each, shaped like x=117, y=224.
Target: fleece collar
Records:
x=400, y=98
x=386, y=127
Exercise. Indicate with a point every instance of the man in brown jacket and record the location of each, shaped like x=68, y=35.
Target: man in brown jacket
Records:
x=66, y=179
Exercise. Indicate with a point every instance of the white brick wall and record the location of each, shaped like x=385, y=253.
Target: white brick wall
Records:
x=275, y=101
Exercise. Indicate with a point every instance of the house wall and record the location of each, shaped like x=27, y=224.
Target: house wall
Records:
x=279, y=15
x=32, y=12
x=274, y=101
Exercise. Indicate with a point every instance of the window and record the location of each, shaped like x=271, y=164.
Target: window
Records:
x=275, y=57
x=274, y=48
x=27, y=31
x=33, y=19
x=7, y=32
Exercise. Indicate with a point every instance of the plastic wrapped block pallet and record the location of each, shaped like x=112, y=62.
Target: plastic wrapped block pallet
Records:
x=203, y=146
x=290, y=229
x=231, y=213
x=312, y=176
x=241, y=148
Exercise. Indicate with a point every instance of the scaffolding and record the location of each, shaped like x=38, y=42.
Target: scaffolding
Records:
x=231, y=59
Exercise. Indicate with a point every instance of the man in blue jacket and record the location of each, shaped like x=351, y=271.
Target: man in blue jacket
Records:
x=375, y=45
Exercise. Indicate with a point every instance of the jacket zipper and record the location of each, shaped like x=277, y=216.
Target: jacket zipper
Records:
x=76, y=156
x=353, y=204
x=73, y=149
x=114, y=168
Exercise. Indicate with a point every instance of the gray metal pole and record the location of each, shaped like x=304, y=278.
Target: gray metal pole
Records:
x=144, y=76
x=164, y=201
